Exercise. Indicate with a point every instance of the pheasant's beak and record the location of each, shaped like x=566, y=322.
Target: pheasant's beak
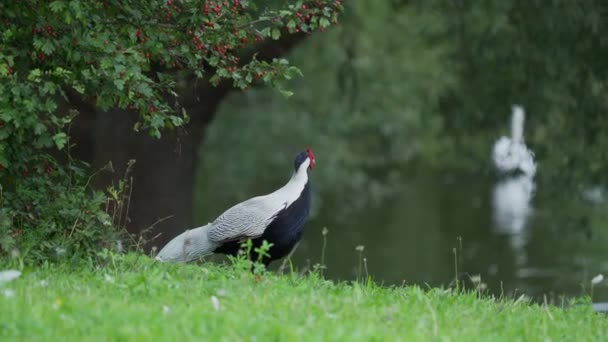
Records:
x=311, y=156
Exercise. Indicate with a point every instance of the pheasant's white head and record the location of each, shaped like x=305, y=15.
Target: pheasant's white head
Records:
x=306, y=158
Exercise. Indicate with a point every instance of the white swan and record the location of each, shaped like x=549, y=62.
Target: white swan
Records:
x=511, y=154
x=513, y=193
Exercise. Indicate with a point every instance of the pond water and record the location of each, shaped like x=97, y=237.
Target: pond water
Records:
x=537, y=237
x=543, y=242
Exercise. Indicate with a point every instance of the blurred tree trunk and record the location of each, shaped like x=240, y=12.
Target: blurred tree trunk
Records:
x=165, y=169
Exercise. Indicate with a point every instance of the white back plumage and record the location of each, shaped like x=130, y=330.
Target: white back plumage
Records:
x=248, y=219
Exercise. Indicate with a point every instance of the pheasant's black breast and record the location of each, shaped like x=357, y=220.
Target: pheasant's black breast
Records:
x=283, y=232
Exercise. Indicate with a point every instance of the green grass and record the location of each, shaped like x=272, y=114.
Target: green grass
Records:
x=133, y=298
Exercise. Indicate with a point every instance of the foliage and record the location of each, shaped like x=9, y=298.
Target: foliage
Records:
x=132, y=298
x=372, y=116
x=67, y=215
x=116, y=54
x=429, y=84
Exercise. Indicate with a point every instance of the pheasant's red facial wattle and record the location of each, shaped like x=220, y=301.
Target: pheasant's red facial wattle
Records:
x=311, y=156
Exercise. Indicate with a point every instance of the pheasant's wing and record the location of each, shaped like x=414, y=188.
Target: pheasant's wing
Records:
x=244, y=221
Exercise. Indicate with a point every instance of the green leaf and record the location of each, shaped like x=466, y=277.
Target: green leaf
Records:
x=324, y=22
x=222, y=72
x=39, y=128
x=276, y=34
x=34, y=75
x=60, y=139
x=265, y=32
x=4, y=161
x=145, y=89
x=295, y=70
x=286, y=93
x=57, y=6
x=120, y=84
x=43, y=141
x=47, y=47
x=78, y=87
x=48, y=88
x=4, y=133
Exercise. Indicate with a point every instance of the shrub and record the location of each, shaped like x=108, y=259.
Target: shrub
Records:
x=113, y=54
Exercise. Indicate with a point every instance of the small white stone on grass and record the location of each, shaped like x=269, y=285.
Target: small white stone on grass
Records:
x=215, y=303
x=8, y=275
x=108, y=278
x=60, y=251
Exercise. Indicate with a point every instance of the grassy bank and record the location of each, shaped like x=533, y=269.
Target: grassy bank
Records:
x=133, y=298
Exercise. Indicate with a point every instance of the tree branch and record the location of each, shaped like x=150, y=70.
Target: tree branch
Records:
x=201, y=111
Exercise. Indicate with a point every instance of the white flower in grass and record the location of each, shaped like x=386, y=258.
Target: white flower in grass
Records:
x=166, y=310
x=60, y=251
x=8, y=275
x=43, y=283
x=108, y=278
x=597, y=279
x=8, y=293
x=215, y=303
x=119, y=247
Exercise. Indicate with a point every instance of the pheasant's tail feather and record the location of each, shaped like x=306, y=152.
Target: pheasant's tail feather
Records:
x=188, y=246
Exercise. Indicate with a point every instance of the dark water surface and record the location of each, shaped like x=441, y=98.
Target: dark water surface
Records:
x=547, y=242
